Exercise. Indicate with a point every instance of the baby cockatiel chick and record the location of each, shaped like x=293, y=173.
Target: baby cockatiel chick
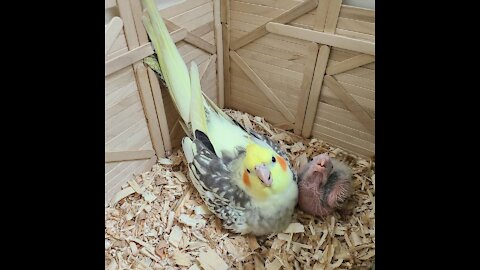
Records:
x=324, y=184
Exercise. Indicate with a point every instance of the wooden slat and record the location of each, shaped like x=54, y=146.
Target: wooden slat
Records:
x=355, y=80
x=241, y=29
x=285, y=17
x=194, y=54
x=128, y=155
x=181, y=7
x=287, y=73
x=119, y=117
x=110, y=3
x=196, y=23
x=324, y=122
x=370, y=66
x=305, y=88
x=200, y=43
x=240, y=102
x=179, y=35
x=209, y=37
x=350, y=63
x=147, y=146
x=246, y=86
x=362, y=72
x=250, y=96
x=278, y=42
x=339, y=115
x=225, y=18
x=277, y=53
x=123, y=172
x=280, y=4
x=324, y=38
x=219, y=43
x=133, y=137
x=119, y=47
x=128, y=58
x=262, y=86
x=346, y=145
x=118, y=79
x=159, y=105
x=359, y=91
x=128, y=23
x=257, y=109
x=119, y=107
x=356, y=26
x=137, y=19
x=271, y=60
x=261, y=10
x=209, y=66
x=320, y=67
x=193, y=14
x=193, y=39
x=339, y=54
x=353, y=34
x=112, y=30
x=350, y=103
x=113, y=185
x=345, y=137
x=120, y=94
x=321, y=15
x=305, y=21
x=149, y=108
x=204, y=29
x=112, y=176
x=281, y=85
x=330, y=97
x=248, y=18
x=357, y=13
x=332, y=16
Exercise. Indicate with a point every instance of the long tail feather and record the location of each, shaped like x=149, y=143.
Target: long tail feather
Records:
x=197, y=111
x=171, y=63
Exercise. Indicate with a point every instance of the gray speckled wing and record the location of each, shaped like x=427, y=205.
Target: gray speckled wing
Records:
x=212, y=178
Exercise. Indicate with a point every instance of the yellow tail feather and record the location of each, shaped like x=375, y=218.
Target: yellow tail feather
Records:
x=171, y=63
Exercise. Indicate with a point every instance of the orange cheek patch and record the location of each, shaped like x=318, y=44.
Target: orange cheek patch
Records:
x=246, y=179
x=282, y=162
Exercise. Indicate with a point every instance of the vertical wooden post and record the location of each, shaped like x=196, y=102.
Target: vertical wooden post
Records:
x=225, y=20
x=219, y=41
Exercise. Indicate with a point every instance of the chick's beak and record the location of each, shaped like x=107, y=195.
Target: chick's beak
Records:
x=264, y=174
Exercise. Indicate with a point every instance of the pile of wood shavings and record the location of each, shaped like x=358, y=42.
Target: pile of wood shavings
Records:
x=159, y=221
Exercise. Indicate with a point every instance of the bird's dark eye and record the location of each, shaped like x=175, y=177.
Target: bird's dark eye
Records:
x=248, y=170
x=273, y=159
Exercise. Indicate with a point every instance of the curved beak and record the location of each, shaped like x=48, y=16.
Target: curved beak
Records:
x=264, y=174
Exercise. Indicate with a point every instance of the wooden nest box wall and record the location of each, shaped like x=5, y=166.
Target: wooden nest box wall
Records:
x=306, y=66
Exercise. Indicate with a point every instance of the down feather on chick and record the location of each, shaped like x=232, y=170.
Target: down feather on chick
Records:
x=324, y=185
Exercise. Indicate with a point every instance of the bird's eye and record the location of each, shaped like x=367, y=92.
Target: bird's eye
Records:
x=248, y=170
x=273, y=159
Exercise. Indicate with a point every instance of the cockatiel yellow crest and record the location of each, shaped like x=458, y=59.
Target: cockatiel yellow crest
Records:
x=244, y=178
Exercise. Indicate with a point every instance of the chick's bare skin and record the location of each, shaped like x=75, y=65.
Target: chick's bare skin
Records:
x=324, y=185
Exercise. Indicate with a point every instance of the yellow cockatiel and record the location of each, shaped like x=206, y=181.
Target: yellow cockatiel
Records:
x=243, y=177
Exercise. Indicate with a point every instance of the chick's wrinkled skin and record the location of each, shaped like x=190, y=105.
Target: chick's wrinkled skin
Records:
x=324, y=185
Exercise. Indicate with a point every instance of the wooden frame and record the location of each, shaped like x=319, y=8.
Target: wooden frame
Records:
x=309, y=67
x=133, y=138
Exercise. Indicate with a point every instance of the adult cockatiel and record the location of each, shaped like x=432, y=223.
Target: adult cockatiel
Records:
x=244, y=178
